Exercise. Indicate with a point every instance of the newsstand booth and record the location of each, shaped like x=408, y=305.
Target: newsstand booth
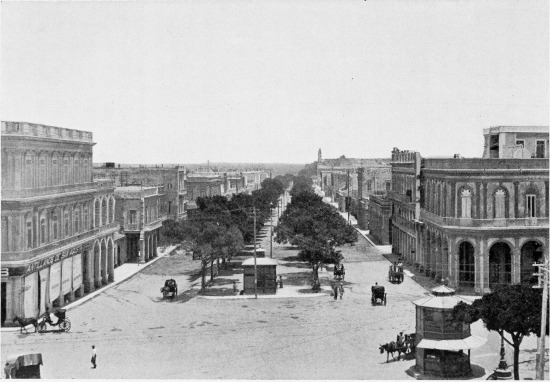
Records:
x=442, y=345
x=267, y=275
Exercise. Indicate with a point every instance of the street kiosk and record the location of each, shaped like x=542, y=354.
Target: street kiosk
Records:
x=440, y=341
x=267, y=275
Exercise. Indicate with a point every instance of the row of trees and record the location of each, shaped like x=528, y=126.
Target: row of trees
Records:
x=220, y=226
x=315, y=227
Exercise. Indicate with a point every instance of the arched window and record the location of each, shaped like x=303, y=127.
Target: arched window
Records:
x=531, y=205
x=66, y=223
x=55, y=170
x=111, y=209
x=65, y=170
x=104, y=212
x=76, y=170
x=55, y=226
x=27, y=177
x=500, y=204
x=42, y=176
x=97, y=212
x=85, y=224
x=43, y=230
x=466, y=204
x=29, y=230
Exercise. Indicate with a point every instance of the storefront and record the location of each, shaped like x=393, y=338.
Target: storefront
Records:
x=51, y=281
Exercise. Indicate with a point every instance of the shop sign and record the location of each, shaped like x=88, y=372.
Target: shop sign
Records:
x=32, y=267
x=5, y=272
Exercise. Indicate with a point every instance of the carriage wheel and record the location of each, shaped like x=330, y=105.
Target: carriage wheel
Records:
x=65, y=325
x=384, y=299
x=42, y=327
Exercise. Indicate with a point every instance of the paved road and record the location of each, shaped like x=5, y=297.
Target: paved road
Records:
x=138, y=335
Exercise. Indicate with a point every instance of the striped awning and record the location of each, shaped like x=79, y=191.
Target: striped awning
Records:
x=471, y=342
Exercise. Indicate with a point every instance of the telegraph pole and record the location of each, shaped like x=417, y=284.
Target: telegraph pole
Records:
x=348, y=201
x=543, y=273
x=271, y=238
x=255, y=269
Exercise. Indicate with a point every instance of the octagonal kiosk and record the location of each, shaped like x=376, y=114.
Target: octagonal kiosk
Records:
x=267, y=275
x=440, y=341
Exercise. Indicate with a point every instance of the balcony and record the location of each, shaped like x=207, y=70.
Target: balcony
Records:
x=484, y=223
x=103, y=184
x=131, y=227
x=404, y=224
x=398, y=197
x=28, y=254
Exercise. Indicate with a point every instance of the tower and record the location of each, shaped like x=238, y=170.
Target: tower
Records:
x=319, y=156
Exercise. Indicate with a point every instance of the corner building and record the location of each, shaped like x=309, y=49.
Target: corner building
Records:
x=475, y=222
x=58, y=226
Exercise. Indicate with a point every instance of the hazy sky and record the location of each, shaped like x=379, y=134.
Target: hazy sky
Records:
x=274, y=81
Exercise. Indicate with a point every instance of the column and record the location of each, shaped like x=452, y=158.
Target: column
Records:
x=445, y=259
x=111, y=261
x=516, y=265
x=142, y=248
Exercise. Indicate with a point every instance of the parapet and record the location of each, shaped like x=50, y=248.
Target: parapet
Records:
x=44, y=131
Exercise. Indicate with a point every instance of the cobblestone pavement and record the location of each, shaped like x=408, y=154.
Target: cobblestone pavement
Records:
x=139, y=335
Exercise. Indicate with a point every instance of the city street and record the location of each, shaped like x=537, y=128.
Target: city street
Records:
x=139, y=335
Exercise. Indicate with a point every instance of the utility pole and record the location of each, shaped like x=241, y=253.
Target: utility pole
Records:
x=348, y=200
x=255, y=269
x=271, y=239
x=543, y=273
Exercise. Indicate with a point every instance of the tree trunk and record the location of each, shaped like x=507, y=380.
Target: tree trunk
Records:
x=516, y=360
x=211, y=269
x=203, y=276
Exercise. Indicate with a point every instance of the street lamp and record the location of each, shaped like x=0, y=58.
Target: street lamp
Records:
x=271, y=231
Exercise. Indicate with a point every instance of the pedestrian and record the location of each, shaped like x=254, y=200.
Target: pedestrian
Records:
x=94, y=356
x=7, y=370
x=335, y=289
x=341, y=290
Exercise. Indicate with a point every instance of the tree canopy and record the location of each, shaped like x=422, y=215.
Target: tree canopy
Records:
x=314, y=226
x=515, y=309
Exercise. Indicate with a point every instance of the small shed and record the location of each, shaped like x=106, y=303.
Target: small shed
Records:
x=267, y=275
x=440, y=341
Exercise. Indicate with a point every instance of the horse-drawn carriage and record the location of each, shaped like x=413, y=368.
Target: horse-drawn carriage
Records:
x=404, y=345
x=339, y=272
x=170, y=288
x=63, y=323
x=395, y=274
x=378, y=293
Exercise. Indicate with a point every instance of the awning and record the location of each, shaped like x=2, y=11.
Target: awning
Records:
x=24, y=360
x=466, y=343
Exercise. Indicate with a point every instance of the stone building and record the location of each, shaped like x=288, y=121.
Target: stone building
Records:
x=378, y=215
x=170, y=176
x=58, y=227
x=141, y=213
x=475, y=222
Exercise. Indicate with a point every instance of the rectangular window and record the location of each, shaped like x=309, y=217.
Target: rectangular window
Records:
x=541, y=146
x=132, y=216
x=169, y=208
x=369, y=185
x=42, y=231
x=54, y=227
x=520, y=142
x=388, y=185
x=531, y=206
x=29, y=234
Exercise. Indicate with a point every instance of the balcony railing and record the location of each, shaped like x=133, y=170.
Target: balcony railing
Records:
x=31, y=253
x=131, y=227
x=399, y=197
x=484, y=223
x=104, y=184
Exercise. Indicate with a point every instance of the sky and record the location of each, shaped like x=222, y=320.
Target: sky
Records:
x=274, y=81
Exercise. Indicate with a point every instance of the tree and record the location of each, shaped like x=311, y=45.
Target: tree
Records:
x=315, y=227
x=515, y=309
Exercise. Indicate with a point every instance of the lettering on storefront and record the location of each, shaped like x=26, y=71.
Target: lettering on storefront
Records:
x=5, y=271
x=32, y=267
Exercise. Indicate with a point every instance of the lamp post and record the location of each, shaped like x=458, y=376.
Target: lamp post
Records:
x=271, y=232
x=502, y=372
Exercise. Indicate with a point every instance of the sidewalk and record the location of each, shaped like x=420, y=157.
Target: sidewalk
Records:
x=122, y=273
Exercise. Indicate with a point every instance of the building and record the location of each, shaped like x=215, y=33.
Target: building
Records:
x=141, y=214
x=58, y=226
x=475, y=222
x=378, y=215
x=170, y=176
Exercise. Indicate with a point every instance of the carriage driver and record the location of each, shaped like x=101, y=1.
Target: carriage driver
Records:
x=48, y=316
x=400, y=339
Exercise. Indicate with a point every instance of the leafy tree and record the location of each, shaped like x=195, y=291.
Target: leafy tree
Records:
x=315, y=227
x=515, y=309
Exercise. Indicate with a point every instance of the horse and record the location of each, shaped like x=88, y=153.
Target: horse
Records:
x=391, y=348
x=26, y=321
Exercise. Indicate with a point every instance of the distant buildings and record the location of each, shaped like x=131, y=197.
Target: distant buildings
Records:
x=58, y=226
x=171, y=177
x=474, y=222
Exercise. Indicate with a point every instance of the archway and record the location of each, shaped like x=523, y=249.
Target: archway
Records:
x=466, y=265
x=110, y=261
x=104, y=212
x=97, y=265
x=104, y=254
x=500, y=265
x=531, y=252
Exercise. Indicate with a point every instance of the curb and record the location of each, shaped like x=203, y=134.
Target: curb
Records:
x=88, y=297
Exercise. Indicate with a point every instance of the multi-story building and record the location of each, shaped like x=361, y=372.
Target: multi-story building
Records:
x=58, y=227
x=475, y=222
x=141, y=213
x=378, y=215
x=170, y=176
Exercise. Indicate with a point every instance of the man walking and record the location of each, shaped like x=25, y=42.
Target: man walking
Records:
x=94, y=356
x=341, y=290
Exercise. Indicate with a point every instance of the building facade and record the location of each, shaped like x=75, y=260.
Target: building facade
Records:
x=475, y=223
x=141, y=213
x=170, y=176
x=58, y=226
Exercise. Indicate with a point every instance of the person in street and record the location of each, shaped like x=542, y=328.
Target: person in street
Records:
x=7, y=371
x=341, y=290
x=48, y=316
x=94, y=356
x=335, y=289
x=400, y=339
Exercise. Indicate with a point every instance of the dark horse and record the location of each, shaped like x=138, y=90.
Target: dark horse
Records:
x=391, y=348
x=26, y=321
